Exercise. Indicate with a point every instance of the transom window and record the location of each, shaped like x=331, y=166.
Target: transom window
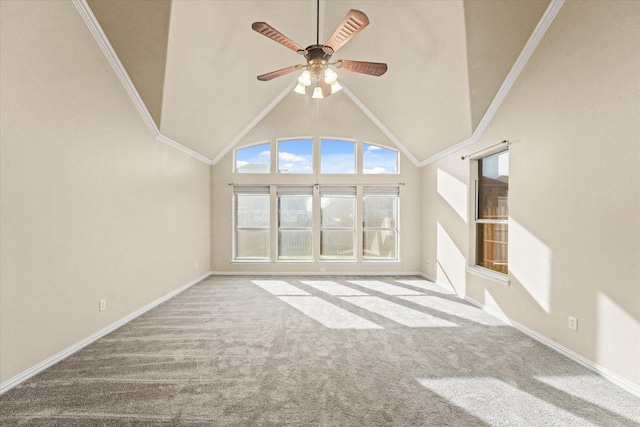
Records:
x=336, y=156
x=378, y=160
x=295, y=156
x=254, y=159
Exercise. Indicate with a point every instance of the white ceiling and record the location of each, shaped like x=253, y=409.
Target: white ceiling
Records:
x=195, y=64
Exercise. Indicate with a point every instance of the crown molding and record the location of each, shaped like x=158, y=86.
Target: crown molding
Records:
x=523, y=58
x=95, y=28
x=518, y=66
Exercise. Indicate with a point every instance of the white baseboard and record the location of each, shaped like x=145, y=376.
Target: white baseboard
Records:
x=604, y=372
x=314, y=273
x=12, y=382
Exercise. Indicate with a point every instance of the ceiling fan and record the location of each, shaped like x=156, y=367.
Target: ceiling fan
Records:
x=318, y=69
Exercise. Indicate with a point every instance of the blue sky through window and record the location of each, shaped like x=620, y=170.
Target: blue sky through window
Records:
x=337, y=156
x=254, y=159
x=295, y=156
x=380, y=160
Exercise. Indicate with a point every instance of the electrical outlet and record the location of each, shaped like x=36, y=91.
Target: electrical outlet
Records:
x=196, y=264
x=103, y=304
x=573, y=323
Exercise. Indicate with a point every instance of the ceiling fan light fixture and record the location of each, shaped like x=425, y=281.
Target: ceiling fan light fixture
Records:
x=305, y=78
x=335, y=87
x=317, y=93
x=330, y=76
x=301, y=89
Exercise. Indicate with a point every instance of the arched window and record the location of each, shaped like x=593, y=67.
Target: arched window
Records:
x=337, y=156
x=254, y=159
x=379, y=160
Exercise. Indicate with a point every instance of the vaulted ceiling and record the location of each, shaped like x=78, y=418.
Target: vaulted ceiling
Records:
x=194, y=65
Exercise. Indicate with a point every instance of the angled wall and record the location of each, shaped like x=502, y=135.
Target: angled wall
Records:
x=574, y=192
x=92, y=207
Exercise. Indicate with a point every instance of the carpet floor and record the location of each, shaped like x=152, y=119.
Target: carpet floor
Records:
x=317, y=351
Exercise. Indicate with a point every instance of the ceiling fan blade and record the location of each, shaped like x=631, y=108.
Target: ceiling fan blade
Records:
x=352, y=24
x=268, y=31
x=371, y=68
x=278, y=73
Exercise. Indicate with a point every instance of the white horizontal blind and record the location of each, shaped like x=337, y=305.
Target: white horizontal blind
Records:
x=381, y=191
x=250, y=189
x=338, y=191
x=295, y=191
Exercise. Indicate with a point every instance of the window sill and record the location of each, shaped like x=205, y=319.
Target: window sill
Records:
x=250, y=261
x=494, y=276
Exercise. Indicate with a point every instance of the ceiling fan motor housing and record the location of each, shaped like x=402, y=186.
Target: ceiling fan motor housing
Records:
x=317, y=56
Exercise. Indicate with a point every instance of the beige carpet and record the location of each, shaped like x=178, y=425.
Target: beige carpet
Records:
x=317, y=351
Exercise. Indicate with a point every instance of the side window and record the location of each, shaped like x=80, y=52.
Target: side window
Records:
x=254, y=159
x=492, y=212
x=379, y=160
x=380, y=231
x=295, y=156
x=251, y=237
x=295, y=221
x=337, y=156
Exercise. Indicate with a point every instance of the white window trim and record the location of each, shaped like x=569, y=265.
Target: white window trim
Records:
x=494, y=276
x=472, y=267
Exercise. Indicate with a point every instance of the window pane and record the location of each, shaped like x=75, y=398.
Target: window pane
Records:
x=295, y=211
x=295, y=156
x=252, y=244
x=377, y=160
x=493, y=187
x=491, y=251
x=256, y=159
x=380, y=244
x=338, y=211
x=337, y=244
x=294, y=244
x=252, y=211
x=337, y=156
x=380, y=211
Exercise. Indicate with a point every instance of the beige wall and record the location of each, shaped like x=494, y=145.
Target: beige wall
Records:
x=335, y=117
x=574, y=236
x=92, y=206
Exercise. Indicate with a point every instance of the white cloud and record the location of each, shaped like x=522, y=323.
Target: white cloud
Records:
x=289, y=157
x=241, y=163
x=377, y=169
x=264, y=153
x=373, y=147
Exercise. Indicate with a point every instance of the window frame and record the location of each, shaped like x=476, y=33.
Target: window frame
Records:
x=350, y=192
x=381, y=191
x=476, y=221
x=276, y=158
x=269, y=165
x=294, y=191
x=395, y=150
x=356, y=149
x=246, y=190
